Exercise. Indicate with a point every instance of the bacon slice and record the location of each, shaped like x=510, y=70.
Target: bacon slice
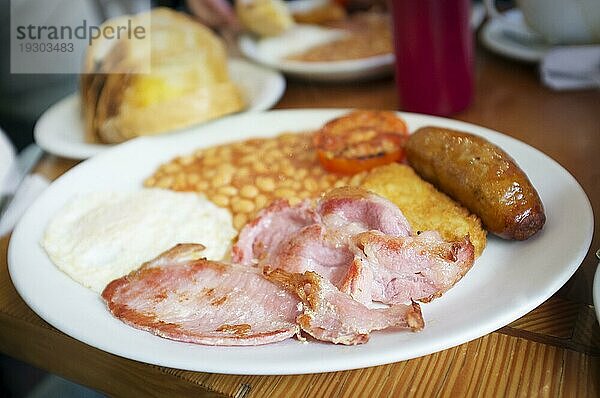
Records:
x=331, y=315
x=260, y=238
x=402, y=269
x=344, y=212
x=183, y=297
x=348, y=211
x=358, y=282
x=310, y=250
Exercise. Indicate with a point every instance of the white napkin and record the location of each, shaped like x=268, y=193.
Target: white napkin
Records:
x=571, y=68
x=7, y=162
x=31, y=187
x=24, y=194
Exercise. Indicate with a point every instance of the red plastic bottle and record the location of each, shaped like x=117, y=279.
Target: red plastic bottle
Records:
x=434, y=55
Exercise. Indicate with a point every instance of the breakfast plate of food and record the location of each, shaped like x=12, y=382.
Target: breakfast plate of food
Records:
x=359, y=47
x=61, y=129
x=265, y=243
x=190, y=82
x=320, y=41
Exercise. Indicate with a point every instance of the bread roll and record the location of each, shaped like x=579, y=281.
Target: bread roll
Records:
x=188, y=81
x=264, y=17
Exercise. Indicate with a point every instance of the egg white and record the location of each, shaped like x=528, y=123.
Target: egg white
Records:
x=98, y=237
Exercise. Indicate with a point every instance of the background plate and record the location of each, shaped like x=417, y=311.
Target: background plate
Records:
x=331, y=71
x=507, y=281
x=60, y=129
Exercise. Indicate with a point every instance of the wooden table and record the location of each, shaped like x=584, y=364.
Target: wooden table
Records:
x=552, y=351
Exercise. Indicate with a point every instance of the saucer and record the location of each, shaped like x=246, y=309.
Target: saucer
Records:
x=511, y=37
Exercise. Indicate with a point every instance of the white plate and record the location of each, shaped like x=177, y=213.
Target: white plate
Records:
x=60, y=129
x=272, y=52
x=506, y=282
x=510, y=37
x=596, y=288
x=331, y=71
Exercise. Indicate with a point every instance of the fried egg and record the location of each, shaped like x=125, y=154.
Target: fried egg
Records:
x=98, y=237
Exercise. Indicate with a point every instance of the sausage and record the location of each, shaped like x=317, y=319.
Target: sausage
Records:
x=481, y=176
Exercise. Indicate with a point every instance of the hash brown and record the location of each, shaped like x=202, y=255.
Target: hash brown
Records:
x=424, y=206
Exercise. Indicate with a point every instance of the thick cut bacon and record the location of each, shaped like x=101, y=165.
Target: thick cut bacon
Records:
x=420, y=267
x=361, y=243
x=342, y=212
x=358, y=282
x=348, y=211
x=181, y=297
x=331, y=315
x=260, y=238
x=309, y=250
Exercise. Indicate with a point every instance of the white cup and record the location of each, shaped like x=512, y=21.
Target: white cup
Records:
x=559, y=21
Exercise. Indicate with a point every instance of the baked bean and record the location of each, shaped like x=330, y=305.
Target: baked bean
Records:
x=150, y=181
x=201, y=186
x=165, y=182
x=339, y=183
x=243, y=171
x=193, y=178
x=294, y=201
x=226, y=168
x=260, y=167
x=285, y=193
x=228, y=190
x=261, y=201
x=249, y=191
x=220, y=200
x=212, y=160
x=242, y=205
x=287, y=183
x=220, y=179
x=265, y=184
x=310, y=184
x=246, y=176
x=186, y=160
x=172, y=167
x=355, y=180
x=239, y=220
x=301, y=173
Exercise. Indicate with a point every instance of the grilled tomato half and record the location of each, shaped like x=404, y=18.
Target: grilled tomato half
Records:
x=361, y=140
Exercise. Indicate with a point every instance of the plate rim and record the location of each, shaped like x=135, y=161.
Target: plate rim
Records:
x=596, y=288
x=83, y=150
x=324, y=67
x=441, y=344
